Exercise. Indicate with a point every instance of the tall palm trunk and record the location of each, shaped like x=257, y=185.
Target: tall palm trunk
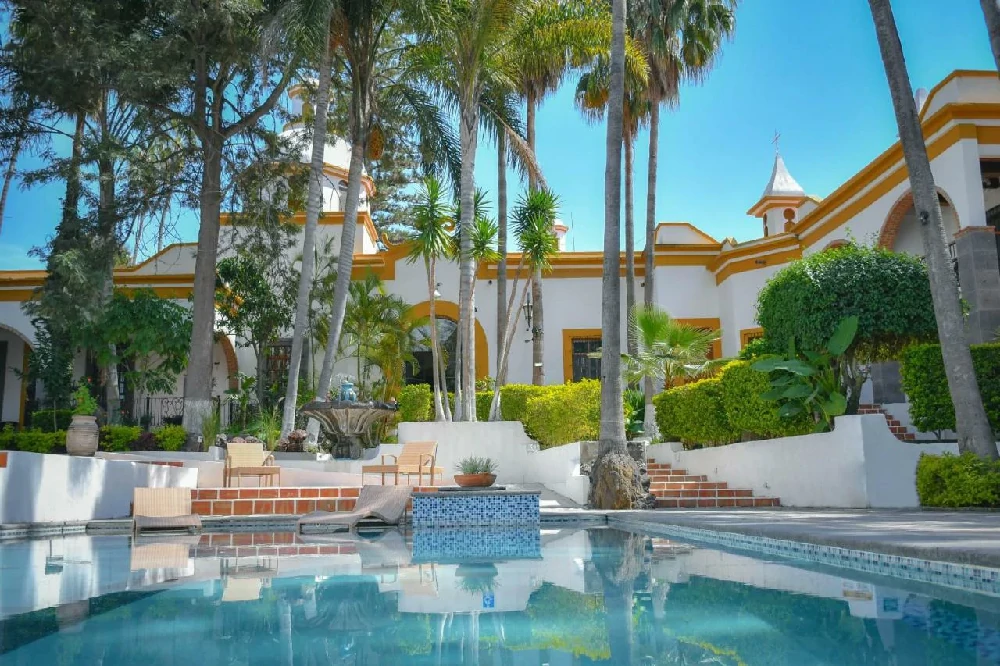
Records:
x=629, y=236
x=974, y=431
x=649, y=427
x=469, y=129
x=501, y=243
x=314, y=207
x=107, y=226
x=435, y=350
x=991, y=12
x=8, y=177
x=615, y=477
x=537, y=297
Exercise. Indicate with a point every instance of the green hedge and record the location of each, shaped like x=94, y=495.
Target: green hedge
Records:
x=955, y=481
x=51, y=420
x=514, y=400
x=171, y=437
x=740, y=389
x=415, y=403
x=926, y=385
x=118, y=438
x=564, y=413
x=33, y=441
x=694, y=414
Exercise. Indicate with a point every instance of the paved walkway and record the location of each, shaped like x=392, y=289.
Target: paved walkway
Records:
x=967, y=537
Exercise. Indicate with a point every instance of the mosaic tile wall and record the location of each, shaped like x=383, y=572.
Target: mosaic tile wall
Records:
x=985, y=580
x=461, y=544
x=486, y=509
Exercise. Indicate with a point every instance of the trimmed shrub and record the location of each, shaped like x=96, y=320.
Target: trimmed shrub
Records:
x=747, y=413
x=415, y=403
x=119, y=438
x=926, y=385
x=514, y=400
x=51, y=420
x=957, y=481
x=565, y=413
x=483, y=401
x=32, y=441
x=171, y=437
x=693, y=413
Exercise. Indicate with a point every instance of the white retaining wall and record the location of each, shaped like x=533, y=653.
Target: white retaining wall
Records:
x=36, y=488
x=858, y=465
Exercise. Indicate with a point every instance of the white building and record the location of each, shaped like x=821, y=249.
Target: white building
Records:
x=711, y=284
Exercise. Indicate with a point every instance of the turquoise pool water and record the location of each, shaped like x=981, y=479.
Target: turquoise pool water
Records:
x=507, y=597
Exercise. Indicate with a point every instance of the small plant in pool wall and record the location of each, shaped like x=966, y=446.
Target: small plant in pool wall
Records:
x=476, y=472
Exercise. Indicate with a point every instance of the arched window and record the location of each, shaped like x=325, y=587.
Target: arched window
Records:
x=447, y=332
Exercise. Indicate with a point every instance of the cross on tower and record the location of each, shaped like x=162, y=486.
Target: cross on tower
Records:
x=777, y=137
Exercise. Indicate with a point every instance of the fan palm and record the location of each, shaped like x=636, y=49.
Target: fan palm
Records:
x=972, y=425
x=666, y=350
x=429, y=242
x=533, y=219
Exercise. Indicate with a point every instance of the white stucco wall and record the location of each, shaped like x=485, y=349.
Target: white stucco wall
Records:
x=858, y=465
x=13, y=363
x=37, y=488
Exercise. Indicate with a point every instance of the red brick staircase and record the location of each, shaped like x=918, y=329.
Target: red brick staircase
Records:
x=676, y=489
x=901, y=432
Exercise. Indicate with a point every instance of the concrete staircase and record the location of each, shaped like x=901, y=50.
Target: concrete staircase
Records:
x=901, y=432
x=676, y=489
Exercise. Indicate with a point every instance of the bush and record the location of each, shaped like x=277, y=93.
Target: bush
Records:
x=483, y=401
x=171, y=437
x=566, y=413
x=51, y=420
x=514, y=400
x=747, y=413
x=32, y=441
x=756, y=348
x=958, y=481
x=119, y=438
x=415, y=403
x=926, y=385
x=694, y=414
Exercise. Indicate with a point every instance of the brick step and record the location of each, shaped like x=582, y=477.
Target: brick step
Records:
x=718, y=503
x=679, y=478
x=705, y=492
x=689, y=485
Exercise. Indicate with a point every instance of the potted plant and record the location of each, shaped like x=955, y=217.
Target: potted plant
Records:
x=476, y=472
x=81, y=436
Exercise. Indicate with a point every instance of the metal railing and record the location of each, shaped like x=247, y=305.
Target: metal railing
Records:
x=156, y=411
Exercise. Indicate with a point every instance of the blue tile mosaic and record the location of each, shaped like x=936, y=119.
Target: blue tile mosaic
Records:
x=985, y=580
x=447, y=510
x=461, y=544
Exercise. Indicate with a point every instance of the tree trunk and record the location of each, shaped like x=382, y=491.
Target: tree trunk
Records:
x=537, y=297
x=469, y=129
x=501, y=242
x=314, y=207
x=991, y=12
x=974, y=431
x=8, y=177
x=649, y=426
x=198, y=380
x=108, y=243
x=162, y=228
x=629, y=238
x=139, y=230
x=435, y=351
x=615, y=482
x=345, y=263
x=618, y=557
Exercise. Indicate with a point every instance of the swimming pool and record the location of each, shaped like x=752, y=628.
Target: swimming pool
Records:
x=466, y=596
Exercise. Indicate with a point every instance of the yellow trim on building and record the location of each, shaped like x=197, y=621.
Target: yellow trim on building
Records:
x=956, y=74
x=684, y=224
x=568, y=335
x=749, y=334
x=709, y=324
x=757, y=262
x=449, y=309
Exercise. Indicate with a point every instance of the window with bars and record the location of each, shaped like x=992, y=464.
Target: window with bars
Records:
x=586, y=365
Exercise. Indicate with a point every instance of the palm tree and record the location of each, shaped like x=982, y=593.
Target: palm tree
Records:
x=371, y=313
x=615, y=477
x=304, y=22
x=991, y=12
x=974, y=431
x=429, y=242
x=533, y=219
x=666, y=350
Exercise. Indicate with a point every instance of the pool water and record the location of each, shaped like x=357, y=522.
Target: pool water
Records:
x=507, y=597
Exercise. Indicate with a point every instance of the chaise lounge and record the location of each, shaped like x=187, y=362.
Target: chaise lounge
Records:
x=386, y=503
x=415, y=458
x=163, y=509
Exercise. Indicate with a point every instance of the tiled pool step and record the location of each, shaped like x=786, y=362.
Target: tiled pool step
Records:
x=275, y=501
x=676, y=489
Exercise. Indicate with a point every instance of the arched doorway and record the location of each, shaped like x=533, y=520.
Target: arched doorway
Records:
x=16, y=392
x=449, y=311
x=423, y=373
x=901, y=230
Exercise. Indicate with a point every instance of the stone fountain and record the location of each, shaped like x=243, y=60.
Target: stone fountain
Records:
x=348, y=420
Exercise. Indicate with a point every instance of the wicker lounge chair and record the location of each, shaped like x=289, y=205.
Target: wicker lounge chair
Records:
x=163, y=509
x=415, y=458
x=387, y=503
x=249, y=459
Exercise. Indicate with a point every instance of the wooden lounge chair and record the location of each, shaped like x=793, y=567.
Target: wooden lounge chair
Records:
x=387, y=503
x=163, y=509
x=415, y=458
x=249, y=459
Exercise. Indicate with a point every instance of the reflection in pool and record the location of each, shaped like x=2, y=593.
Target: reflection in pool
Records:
x=505, y=598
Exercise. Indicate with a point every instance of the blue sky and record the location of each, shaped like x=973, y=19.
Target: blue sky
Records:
x=810, y=70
